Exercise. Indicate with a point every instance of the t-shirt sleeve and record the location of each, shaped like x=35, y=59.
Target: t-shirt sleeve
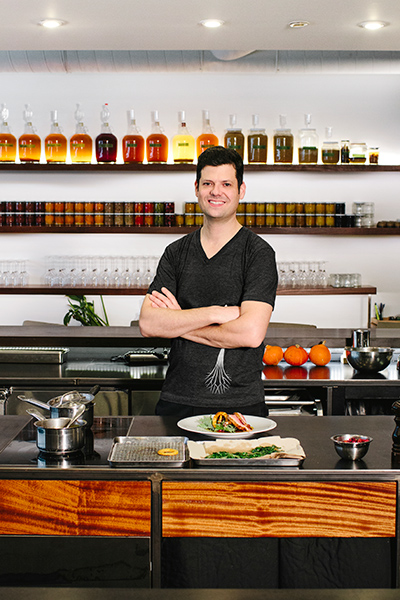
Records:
x=165, y=274
x=261, y=277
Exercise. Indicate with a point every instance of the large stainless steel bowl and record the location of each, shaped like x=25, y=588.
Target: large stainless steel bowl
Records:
x=369, y=359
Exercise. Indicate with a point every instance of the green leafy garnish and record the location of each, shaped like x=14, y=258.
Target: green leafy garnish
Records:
x=206, y=423
x=254, y=453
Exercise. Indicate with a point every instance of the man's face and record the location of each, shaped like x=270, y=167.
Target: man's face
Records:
x=217, y=192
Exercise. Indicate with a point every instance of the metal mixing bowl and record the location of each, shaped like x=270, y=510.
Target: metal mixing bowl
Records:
x=369, y=359
x=351, y=450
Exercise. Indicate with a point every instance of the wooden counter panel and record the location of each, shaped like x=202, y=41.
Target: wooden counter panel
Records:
x=281, y=509
x=75, y=508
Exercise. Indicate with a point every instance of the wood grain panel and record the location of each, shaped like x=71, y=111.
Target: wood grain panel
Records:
x=75, y=508
x=282, y=509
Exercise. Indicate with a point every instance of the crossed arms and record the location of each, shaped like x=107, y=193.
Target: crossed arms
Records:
x=218, y=326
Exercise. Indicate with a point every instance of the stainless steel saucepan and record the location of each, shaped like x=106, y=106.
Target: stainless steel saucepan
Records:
x=54, y=437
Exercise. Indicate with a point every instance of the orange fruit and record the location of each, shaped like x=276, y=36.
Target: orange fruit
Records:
x=272, y=355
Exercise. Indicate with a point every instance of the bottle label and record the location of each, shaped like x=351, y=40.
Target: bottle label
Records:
x=235, y=146
x=309, y=148
x=53, y=145
x=183, y=144
x=155, y=144
x=77, y=145
x=131, y=144
x=204, y=145
x=6, y=144
x=259, y=146
x=25, y=145
x=104, y=144
x=283, y=147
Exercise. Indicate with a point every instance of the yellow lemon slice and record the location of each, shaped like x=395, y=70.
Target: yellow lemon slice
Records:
x=167, y=452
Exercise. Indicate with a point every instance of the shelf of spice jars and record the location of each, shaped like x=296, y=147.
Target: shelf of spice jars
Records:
x=174, y=230
x=174, y=168
x=131, y=291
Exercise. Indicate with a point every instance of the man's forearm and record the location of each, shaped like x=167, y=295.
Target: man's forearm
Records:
x=248, y=331
x=169, y=323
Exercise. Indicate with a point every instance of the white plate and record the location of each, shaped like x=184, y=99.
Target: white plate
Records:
x=259, y=425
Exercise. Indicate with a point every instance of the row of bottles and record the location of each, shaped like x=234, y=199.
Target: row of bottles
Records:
x=155, y=148
x=134, y=145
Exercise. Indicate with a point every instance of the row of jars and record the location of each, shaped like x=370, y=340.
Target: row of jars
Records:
x=80, y=214
x=162, y=214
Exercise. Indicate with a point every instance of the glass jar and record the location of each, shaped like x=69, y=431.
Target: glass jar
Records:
x=373, y=156
x=79, y=214
x=49, y=213
x=308, y=146
x=330, y=153
x=99, y=214
x=108, y=214
x=119, y=214
x=283, y=146
x=89, y=213
x=358, y=153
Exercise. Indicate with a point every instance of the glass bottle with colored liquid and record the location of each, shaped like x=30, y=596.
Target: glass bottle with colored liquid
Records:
x=8, y=143
x=156, y=142
x=234, y=137
x=80, y=144
x=29, y=143
x=283, y=143
x=207, y=139
x=183, y=143
x=308, y=143
x=257, y=143
x=106, y=142
x=55, y=144
x=132, y=142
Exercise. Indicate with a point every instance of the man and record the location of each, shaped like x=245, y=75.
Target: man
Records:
x=213, y=294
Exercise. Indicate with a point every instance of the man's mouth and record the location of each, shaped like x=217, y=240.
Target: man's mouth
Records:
x=216, y=202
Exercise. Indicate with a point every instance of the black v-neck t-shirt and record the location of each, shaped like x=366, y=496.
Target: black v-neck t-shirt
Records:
x=244, y=269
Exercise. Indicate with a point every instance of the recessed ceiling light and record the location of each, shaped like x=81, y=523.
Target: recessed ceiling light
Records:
x=212, y=23
x=52, y=23
x=298, y=24
x=372, y=25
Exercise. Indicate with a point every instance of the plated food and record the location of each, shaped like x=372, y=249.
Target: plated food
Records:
x=227, y=428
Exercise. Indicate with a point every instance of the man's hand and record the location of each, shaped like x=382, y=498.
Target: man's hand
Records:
x=164, y=300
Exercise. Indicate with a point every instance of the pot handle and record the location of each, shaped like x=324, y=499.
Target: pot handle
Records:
x=34, y=402
x=94, y=390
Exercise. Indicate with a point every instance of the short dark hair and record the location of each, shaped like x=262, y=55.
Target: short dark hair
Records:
x=218, y=155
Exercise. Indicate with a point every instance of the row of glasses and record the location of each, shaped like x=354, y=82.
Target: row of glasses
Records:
x=14, y=273
x=302, y=274
x=100, y=271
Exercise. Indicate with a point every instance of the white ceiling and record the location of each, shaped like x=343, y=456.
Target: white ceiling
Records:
x=173, y=25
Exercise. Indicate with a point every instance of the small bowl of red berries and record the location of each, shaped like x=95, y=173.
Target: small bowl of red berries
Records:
x=351, y=446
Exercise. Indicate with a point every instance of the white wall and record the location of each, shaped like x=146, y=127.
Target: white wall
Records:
x=358, y=107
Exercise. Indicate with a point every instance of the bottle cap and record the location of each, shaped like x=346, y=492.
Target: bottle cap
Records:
x=131, y=114
x=4, y=112
x=181, y=116
x=78, y=114
x=53, y=116
x=28, y=113
x=105, y=114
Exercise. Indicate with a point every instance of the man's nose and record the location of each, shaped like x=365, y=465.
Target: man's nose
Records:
x=216, y=191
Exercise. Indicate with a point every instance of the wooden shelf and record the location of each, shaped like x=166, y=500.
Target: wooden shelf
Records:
x=330, y=231
x=172, y=168
x=128, y=291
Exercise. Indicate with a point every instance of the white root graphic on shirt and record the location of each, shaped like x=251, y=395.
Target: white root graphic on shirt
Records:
x=218, y=380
